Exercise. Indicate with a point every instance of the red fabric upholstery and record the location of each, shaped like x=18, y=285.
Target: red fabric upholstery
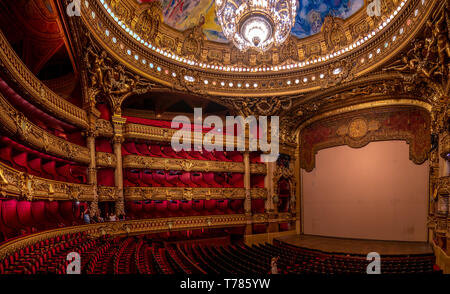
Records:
x=208, y=178
x=129, y=147
x=147, y=179
x=174, y=179
x=105, y=177
x=197, y=179
x=236, y=180
x=103, y=145
x=221, y=179
x=9, y=214
x=160, y=177
x=185, y=177
x=257, y=181
x=142, y=148
x=24, y=214
x=258, y=205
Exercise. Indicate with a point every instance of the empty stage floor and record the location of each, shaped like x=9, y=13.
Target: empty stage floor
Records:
x=357, y=246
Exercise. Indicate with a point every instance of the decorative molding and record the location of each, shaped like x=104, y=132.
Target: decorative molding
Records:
x=357, y=129
x=104, y=159
x=22, y=185
x=179, y=193
x=15, y=123
x=35, y=89
x=107, y=193
x=135, y=161
x=307, y=56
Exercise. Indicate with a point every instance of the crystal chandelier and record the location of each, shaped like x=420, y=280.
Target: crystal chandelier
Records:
x=257, y=24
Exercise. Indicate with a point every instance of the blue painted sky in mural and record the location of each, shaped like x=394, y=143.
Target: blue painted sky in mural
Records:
x=183, y=14
x=311, y=14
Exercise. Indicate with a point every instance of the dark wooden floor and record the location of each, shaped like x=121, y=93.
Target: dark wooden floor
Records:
x=357, y=246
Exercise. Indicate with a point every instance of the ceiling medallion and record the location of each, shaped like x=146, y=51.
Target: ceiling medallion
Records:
x=256, y=24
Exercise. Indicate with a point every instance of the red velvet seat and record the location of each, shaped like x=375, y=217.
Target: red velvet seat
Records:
x=235, y=156
x=208, y=155
x=169, y=152
x=142, y=148
x=64, y=172
x=221, y=179
x=198, y=207
x=147, y=178
x=155, y=150
x=208, y=178
x=133, y=176
x=186, y=206
x=220, y=156
x=79, y=173
x=186, y=179
x=129, y=147
x=6, y=155
x=149, y=208
x=173, y=208
x=236, y=180
x=161, y=209
x=184, y=154
x=197, y=178
x=35, y=167
x=210, y=206
x=50, y=168
x=159, y=176
x=197, y=155
x=20, y=161
x=174, y=179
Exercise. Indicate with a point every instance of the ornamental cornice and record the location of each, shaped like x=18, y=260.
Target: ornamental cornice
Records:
x=22, y=185
x=394, y=33
x=178, y=193
x=13, y=67
x=135, y=161
x=15, y=123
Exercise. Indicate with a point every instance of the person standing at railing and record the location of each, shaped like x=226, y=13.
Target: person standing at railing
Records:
x=273, y=265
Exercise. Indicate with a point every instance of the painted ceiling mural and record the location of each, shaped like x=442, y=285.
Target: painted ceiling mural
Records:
x=183, y=14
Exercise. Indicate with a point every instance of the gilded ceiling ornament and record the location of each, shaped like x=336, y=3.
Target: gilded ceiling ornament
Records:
x=358, y=128
x=111, y=79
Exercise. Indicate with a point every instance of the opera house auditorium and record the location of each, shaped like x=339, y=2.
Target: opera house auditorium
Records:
x=245, y=137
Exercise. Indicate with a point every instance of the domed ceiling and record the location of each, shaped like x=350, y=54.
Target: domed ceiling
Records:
x=184, y=14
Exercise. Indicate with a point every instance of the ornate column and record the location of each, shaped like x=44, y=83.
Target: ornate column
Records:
x=271, y=209
x=118, y=123
x=91, y=134
x=92, y=173
x=248, y=199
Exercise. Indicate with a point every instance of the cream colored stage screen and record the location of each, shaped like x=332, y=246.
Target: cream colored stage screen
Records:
x=374, y=192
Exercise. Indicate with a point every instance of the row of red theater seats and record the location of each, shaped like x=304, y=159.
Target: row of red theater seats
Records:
x=40, y=118
x=39, y=164
x=18, y=217
x=175, y=208
x=160, y=178
x=166, y=151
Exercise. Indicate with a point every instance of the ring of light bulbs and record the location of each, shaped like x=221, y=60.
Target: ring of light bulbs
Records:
x=200, y=65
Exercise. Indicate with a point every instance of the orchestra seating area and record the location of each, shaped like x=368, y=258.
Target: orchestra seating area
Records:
x=144, y=255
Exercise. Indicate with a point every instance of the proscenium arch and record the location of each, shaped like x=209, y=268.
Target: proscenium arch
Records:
x=363, y=106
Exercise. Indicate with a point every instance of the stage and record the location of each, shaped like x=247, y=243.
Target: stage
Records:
x=357, y=246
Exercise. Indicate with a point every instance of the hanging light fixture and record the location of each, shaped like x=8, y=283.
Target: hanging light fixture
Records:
x=257, y=24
